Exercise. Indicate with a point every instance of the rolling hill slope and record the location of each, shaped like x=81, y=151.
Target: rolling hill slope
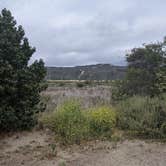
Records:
x=90, y=72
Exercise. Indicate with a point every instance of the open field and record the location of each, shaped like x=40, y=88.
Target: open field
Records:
x=88, y=95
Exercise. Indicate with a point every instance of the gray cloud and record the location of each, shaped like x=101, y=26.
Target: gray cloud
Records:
x=77, y=32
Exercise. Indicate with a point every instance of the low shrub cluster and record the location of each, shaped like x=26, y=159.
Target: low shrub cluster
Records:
x=138, y=116
x=71, y=124
x=143, y=116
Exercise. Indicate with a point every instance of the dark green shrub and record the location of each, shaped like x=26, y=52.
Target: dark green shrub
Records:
x=88, y=82
x=80, y=84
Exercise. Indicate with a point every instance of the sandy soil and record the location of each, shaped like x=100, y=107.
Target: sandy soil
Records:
x=37, y=148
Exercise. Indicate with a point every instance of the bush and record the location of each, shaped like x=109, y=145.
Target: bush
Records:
x=101, y=120
x=71, y=124
x=68, y=122
x=143, y=115
x=80, y=84
x=118, y=90
x=88, y=82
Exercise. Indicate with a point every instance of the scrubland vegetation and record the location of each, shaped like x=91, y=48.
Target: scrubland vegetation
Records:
x=138, y=100
x=136, y=103
x=134, y=106
x=72, y=124
x=138, y=116
x=143, y=116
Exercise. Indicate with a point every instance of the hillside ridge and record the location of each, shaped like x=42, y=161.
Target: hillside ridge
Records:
x=88, y=72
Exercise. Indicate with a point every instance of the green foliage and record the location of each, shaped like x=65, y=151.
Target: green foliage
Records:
x=144, y=115
x=71, y=124
x=68, y=122
x=118, y=90
x=101, y=120
x=146, y=73
x=20, y=83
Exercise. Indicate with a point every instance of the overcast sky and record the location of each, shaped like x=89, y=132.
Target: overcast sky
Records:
x=81, y=32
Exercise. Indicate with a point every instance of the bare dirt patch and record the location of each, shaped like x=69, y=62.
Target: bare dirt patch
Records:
x=37, y=149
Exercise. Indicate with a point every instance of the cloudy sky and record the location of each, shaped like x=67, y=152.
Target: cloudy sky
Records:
x=81, y=32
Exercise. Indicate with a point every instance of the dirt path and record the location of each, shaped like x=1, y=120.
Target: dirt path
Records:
x=38, y=149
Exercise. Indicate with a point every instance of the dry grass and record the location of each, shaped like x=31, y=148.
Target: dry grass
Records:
x=89, y=96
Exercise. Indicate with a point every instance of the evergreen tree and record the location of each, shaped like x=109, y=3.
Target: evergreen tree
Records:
x=20, y=83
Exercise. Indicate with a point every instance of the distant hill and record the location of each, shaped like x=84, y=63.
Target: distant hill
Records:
x=90, y=72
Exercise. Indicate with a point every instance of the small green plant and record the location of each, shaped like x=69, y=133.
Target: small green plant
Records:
x=53, y=149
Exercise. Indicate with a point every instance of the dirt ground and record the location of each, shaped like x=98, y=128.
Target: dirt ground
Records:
x=38, y=148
